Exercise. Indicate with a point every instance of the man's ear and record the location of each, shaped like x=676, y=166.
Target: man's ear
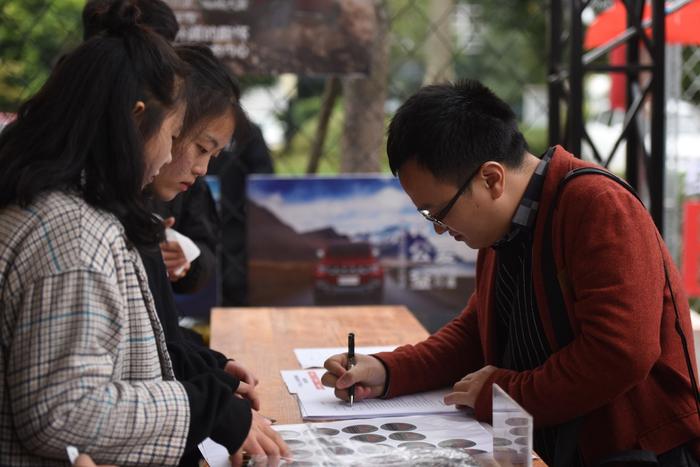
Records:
x=493, y=176
x=138, y=109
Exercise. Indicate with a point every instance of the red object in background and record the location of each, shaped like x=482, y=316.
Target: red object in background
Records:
x=618, y=84
x=348, y=270
x=681, y=28
x=681, y=25
x=691, y=248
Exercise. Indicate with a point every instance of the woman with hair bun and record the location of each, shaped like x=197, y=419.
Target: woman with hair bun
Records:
x=221, y=391
x=84, y=362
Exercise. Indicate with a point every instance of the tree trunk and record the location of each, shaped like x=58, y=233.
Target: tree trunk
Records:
x=438, y=46
x=330, y=94
x=363, y=127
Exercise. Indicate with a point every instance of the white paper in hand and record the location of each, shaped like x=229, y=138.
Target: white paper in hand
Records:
x=215, y=454
x=188, y=246
x=73, y=453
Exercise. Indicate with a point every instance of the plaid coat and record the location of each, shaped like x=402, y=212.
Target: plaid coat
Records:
x=82, y=355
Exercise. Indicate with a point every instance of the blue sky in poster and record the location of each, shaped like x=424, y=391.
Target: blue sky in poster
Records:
x=350, y=204
x=304, y=190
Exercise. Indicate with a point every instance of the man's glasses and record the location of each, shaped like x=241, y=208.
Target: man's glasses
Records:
x=437, y=218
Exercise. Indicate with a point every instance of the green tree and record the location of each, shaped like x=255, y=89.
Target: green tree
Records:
x=33, y=34
x=514, y=49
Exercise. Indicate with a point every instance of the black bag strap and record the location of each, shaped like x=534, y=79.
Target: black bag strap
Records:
x=557, y=309
x=567, y=439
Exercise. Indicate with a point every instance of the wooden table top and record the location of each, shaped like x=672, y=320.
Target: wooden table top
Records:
x=264, y=339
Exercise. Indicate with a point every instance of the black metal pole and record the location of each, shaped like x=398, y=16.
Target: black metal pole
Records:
x=634, y=9
x=575, y=111
x=554, y=86
x=657, y=170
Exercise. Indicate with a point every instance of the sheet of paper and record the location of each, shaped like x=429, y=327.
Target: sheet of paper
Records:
x=319, y=402
x=325, y=406
x=215, y=454
x=315, y=357
x=356, y=441
x=304, y=381
x=189, y=248
x=72, y=453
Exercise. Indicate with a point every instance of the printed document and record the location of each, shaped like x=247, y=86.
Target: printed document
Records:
x=318, y=402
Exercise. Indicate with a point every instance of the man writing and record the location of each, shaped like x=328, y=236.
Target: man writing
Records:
x=460, y=158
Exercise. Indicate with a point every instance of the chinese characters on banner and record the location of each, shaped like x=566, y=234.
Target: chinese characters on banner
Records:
x=275, y=36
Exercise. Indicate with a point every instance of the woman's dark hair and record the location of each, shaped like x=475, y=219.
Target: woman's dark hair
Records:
x=79, y=132
x=211, y=91
x=155, y=14
x=451, y=129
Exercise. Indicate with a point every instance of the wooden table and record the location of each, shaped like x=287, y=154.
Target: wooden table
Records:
x=263, y=339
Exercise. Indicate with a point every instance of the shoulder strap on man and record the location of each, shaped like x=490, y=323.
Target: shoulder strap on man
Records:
x=567, y=441
x=555, y=300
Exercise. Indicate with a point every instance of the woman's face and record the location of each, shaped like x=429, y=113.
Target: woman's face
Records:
x=191, y=157
x=157, y=150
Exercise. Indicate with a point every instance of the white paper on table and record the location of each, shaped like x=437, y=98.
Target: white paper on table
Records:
x=215, y=454
x=315, y=357
x=304, y=381
x=189, y=248
x=319, y=402
x=327, y=406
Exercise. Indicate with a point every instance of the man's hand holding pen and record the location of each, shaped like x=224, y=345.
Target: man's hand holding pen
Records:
x=368, y=375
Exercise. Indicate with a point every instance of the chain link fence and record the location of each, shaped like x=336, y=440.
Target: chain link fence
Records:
x=33, y=34
x=500, y=42
x=337, y=124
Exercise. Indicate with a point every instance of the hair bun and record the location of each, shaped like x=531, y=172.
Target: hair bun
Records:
x=120, y=17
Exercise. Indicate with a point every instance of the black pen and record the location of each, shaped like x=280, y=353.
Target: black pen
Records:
x=351, y=363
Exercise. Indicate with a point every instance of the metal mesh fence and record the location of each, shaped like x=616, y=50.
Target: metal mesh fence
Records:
x=690, y=74
x=501, y=42
x=33, y=34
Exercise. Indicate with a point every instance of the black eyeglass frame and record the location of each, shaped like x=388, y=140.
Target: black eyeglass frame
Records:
x=437, y=218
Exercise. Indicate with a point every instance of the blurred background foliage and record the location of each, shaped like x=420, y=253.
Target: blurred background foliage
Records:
x=501, y=42
x=33, y=34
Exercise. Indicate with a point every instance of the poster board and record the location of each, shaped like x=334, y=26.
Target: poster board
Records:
x=263, y=37
x=352, y=239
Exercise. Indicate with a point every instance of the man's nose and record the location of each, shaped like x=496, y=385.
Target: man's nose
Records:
x=439, y=229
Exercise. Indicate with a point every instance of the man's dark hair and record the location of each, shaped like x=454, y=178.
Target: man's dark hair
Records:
x=451, y=129
x=211, y=90
x=155, y=14
x=79, y=133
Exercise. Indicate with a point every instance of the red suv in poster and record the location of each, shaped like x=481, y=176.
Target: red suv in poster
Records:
x=347, y=271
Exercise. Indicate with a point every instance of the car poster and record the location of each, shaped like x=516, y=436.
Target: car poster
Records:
x=351, y=239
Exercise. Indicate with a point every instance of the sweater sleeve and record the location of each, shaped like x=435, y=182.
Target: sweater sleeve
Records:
x=190, y=360
x=216, y=413
x=197, y=345
x=608, y=244
x=440, y=360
